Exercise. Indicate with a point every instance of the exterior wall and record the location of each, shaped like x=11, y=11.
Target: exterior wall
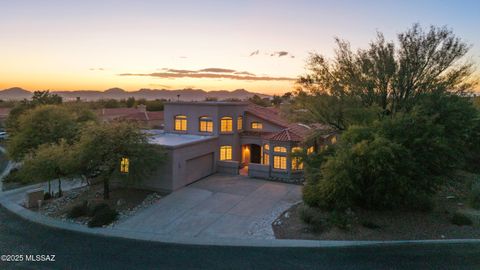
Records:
x=267, y=126
x=229, y=167
x=216, y=111
x=183, y=153
x=259, y=171
x=173, y=174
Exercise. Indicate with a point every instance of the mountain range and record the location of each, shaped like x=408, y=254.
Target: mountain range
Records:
x=17, y=93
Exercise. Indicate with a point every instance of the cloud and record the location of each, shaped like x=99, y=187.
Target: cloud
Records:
x=279, y=53
x=209, y=73
x=160, y=85
x=96, y=69
x=255, y=53
x=217, y=70
x=183, y=57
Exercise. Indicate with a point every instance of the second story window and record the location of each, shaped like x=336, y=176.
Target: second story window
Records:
x=205, y=124
x=180, y=123
x=240, y=123
x=279, y=149
x=256, y=125
x=226, y=124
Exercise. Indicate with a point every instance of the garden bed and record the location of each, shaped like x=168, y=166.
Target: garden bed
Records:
x=384, y=225
x=126, y=201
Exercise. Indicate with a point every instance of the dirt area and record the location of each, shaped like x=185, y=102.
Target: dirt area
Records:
x=386, y=225
x=125, y=200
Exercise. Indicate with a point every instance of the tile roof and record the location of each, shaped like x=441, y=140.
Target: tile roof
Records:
x=129, y=114
x=270, y=114
x=297, y=132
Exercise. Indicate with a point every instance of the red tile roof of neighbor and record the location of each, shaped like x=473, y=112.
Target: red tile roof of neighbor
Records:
x=270, y=114
x=4, y=112
x=137, y=114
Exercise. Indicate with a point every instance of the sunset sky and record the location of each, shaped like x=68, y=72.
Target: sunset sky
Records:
x=257, y=45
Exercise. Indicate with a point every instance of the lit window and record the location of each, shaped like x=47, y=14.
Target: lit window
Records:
x=297, y=164
x=240, y=123
x=205, y=124
x=279, y=149
x=266, y=159
x=280, y=162
x=124, y=165
x=226, y=152
x=226, y=124
x=256, y=125
x=266, y=147
x=310, y=150
x=180, y=123
x=296, y=149
x=333, y=140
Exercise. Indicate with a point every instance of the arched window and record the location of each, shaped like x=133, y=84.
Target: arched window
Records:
x=256, y=125
x=279, y=149
x=180, y=123
x=310, y=150
x=226, y=124
x=296, y=149
x=205, y=124
x=239, y=123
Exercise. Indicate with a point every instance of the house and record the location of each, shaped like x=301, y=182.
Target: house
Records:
x=202, y=138
x=146, y=119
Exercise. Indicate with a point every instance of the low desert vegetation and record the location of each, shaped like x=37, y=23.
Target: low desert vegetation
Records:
x=406, y=121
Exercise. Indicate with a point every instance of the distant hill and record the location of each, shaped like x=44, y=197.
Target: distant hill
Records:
x=17, y=93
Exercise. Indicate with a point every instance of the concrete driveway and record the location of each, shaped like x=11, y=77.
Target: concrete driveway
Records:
x=218, y=206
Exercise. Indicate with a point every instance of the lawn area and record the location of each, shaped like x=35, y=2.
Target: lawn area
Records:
x=386, y=225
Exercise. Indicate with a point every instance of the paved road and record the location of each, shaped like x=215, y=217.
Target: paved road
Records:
x=80, y=251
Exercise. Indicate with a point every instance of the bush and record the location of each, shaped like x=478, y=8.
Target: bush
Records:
x=370, y=225
x=78, y=210
x=341, y=220
x=474, y=196
x=312, y=217
x=103, y=216
x=95, y=209
x=47, y=196
x=460, y=219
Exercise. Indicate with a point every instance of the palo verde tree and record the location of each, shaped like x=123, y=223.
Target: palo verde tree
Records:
x=51, y=161
x=102, y=147
x=388, y=75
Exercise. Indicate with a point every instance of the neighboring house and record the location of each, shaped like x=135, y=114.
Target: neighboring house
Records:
x=146, y=119
x=231, y=137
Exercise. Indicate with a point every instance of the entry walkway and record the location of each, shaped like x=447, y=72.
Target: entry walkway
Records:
x=218, y=206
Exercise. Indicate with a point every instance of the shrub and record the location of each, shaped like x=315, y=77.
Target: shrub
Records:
x=103, y=216
x=460, y=219
x=96, y=208
x=341, y=220
x=370, y=225
x=312, y=217
x=78, y=210
x=474, y=196
x=47, y=196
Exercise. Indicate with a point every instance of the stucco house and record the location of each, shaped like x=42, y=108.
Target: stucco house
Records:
x=202, y=138
x=140, y=115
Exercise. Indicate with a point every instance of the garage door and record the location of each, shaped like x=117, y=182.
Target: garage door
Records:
x=199, y=167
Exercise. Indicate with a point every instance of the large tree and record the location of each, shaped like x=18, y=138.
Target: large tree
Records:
x=387, y=74
x=51, y=161
x=102, y=147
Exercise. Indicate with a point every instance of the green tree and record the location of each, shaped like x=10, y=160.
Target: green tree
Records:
x=391, y=75
x=45, y=97
x=256, y=99
x=41, y=125
x=130, y=102
x=276, y=100
x=51, y=161
x=155, y=105
x=102, y=147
